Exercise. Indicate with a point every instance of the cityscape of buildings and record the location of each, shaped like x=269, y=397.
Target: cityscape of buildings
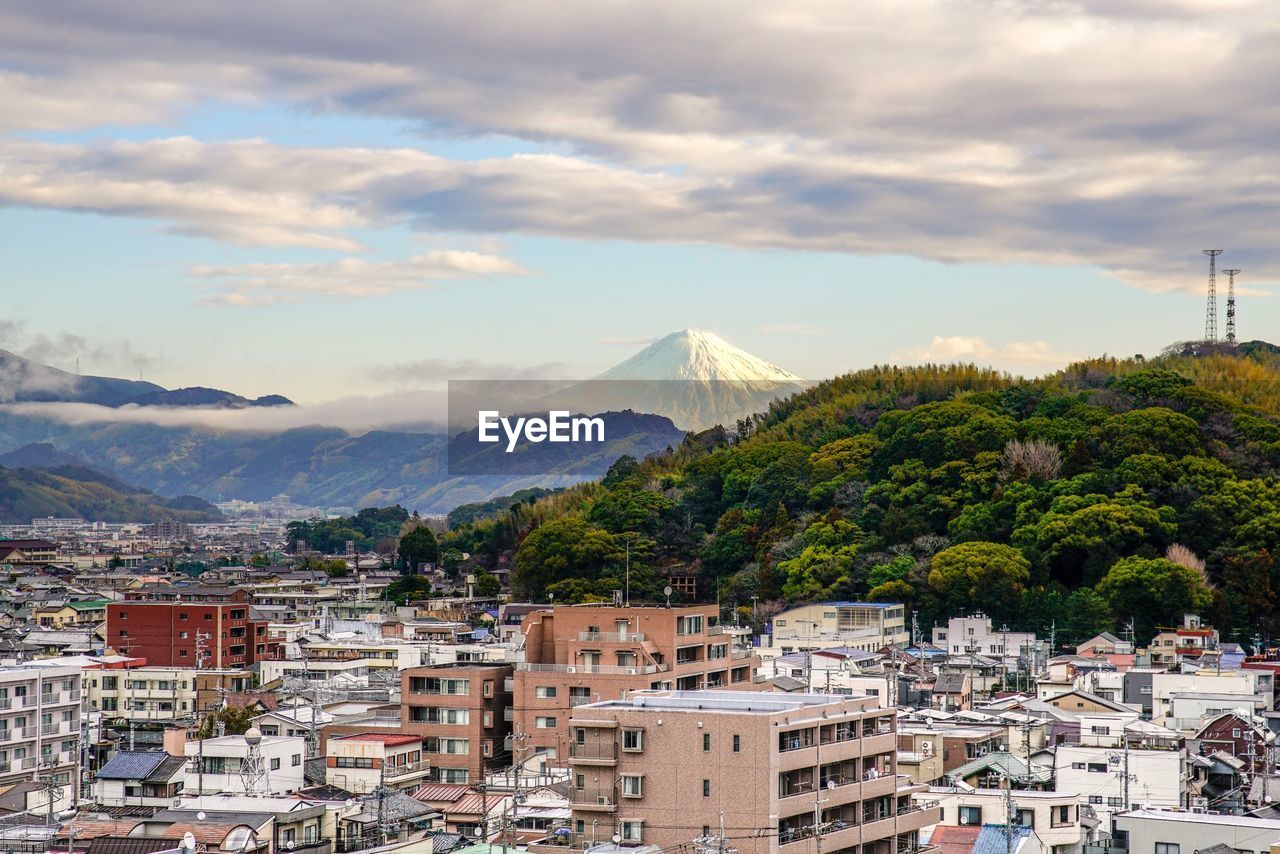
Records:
x=276, y=708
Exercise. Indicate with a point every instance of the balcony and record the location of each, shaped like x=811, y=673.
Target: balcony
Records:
x=594, y=752
x=602, y=669
x=612, y=637
x=600, y=798
x=394, y=772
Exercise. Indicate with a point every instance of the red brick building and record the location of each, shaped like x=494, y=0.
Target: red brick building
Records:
x=188, y=627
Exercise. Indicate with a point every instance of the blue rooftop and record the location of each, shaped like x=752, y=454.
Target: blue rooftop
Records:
x=132, y=765
x=993, y=837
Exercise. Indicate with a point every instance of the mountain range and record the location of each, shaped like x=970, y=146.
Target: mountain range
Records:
x=25, y=381
x=684, y=381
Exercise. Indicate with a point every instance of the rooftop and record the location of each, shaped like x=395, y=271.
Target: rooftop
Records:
x=388, y=739
x=1202, y=818
x=753, y=702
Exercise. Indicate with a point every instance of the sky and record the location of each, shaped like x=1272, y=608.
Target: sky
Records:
x=333, y=200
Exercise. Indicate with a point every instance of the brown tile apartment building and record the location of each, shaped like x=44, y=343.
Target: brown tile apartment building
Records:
x=661, y=768
x=581, y=654
x=460, y=710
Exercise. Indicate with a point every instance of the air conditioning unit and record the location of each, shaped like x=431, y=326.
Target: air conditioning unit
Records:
x=571, y=669
x=926, y=749
x=1199, y=804
x=982, y=751
x=601, y=800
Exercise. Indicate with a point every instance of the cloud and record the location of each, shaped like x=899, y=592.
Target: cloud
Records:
x=1088, y=133
x=791, y=329
x=427, y=371
x=638, y=341
x=67, y=351
x=346, y=278
x=1035, y=356
x=414, y=410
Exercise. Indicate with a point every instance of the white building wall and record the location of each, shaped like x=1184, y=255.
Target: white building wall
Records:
x=1157, y=778
x=283, y=758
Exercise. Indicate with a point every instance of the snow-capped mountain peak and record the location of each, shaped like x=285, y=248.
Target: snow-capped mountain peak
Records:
x=694, y=354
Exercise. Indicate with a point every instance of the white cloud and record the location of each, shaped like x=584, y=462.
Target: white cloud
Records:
x=1029, y=356
x=637, y=341
x=346, y=278
x=1124, y=134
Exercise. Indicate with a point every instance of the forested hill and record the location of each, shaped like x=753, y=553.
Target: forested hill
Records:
x=77, y=492
x=1115, y=490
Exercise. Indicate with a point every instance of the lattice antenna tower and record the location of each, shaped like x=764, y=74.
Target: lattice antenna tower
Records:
x=1211, y=308
x=1231, y=304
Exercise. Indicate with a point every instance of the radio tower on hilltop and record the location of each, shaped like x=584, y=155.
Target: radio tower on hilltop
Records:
x=1211, y=311
x=1231, y=305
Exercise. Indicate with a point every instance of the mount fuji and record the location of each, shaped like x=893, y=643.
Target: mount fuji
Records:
x=694, y=377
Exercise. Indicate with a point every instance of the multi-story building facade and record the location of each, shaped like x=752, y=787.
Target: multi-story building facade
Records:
x=462, y=713
x=974, y=635
x=218, y=763
x=138, y=694
x=40, y=708
x=362, y=762
x=587, y=653
x=1104, y=776
x=866, y=626
x=1054, y=817
x=187, y=627
x=662, y=767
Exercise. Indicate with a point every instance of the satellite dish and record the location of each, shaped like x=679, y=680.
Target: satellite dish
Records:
x=189, y=840
x=831, y=784
x=616, y=839
x=667, y=591
x=201, y=815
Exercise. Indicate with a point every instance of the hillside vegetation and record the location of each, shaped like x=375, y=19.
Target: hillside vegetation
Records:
x=1115, y=490
x=77, y=492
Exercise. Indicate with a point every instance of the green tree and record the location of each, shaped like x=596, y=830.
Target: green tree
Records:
x=417, y=547
x=1153, y=591
x=1085, y=614
x=562, y=549
x=985, y=576
x=487, y=584
x=234, y=719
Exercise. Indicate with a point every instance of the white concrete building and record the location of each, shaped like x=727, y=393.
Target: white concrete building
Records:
x=1157, y=778
x=219, y=762
x=1054, y=816
x=360, y=763
x=1159, y=832
x=866, y=626
x=40, y=720
x=1244, y=683
x=975, y=634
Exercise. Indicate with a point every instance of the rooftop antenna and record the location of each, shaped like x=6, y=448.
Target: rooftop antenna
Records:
x=1211, y=309
x=1231, y=305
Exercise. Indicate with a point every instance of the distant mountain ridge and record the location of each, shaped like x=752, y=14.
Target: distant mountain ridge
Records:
x=25, y=381
x=78, y=492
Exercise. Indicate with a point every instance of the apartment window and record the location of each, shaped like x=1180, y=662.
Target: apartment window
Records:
x=706, y=788
x=690, y=625
x=632, y=739
x=548, y=722
x=1095, y=799
x=275, y=763
x=109, y=682
x=123, y=633
x=1077, y=766
x=737, y=744
x=1100, y=730
x=183, y=635
x=633, y=831
x=1115, y=802
x=1060, y=815
x=706, y=742
x=632, y=786
x=1026, y=818
x=1235, y=733
x=1097, y=767
x=970, y=816
x=123, y=615
x=1167, y=848
x=182, y=615
x=488, y=688
x=353, y=762
x=68, y=714
x=545, y=692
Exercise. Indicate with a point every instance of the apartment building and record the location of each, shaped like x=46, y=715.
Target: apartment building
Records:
x=865, y=626
x=187, y=627
x=662, y=767
x=39, y=722
x=462, y=713
x=1148, y=831
x=138, y=694
x=975, y=635
x=581, y=654
x=362, y=762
